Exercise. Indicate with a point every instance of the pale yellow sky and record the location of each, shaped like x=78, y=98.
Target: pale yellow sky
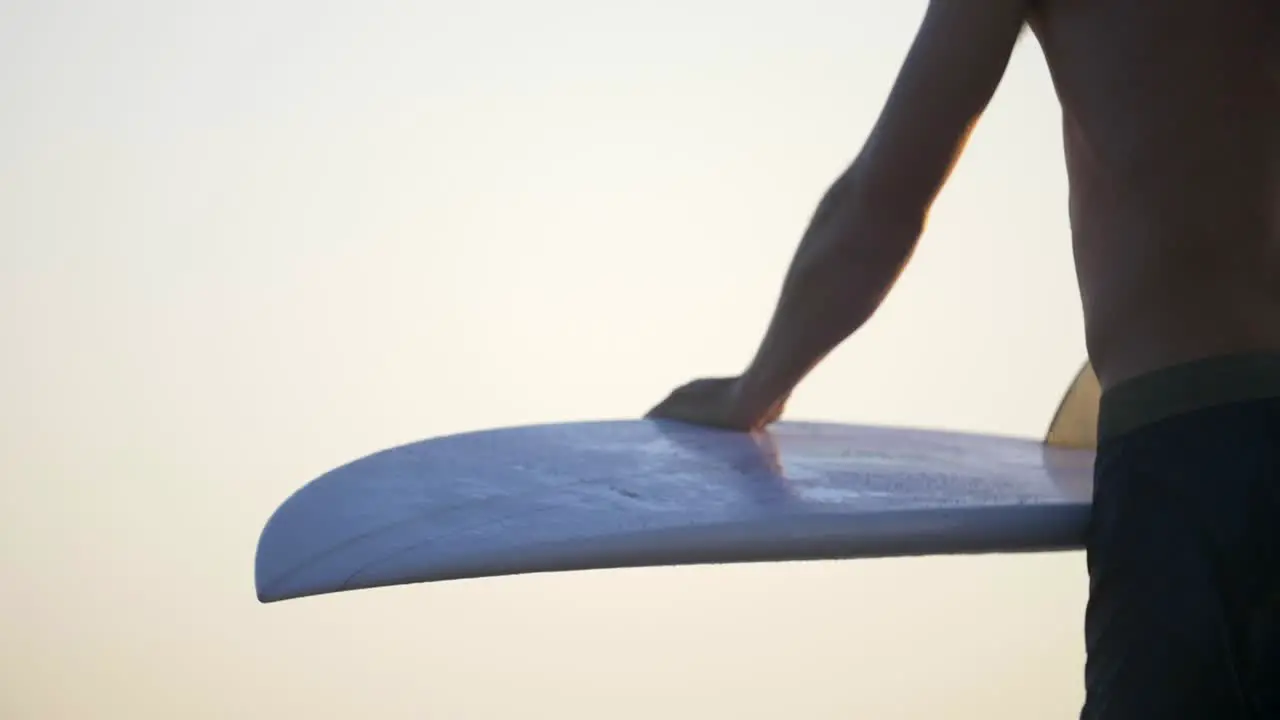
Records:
x=244, y=242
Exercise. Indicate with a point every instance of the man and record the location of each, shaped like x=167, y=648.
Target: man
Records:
x=1171, y=121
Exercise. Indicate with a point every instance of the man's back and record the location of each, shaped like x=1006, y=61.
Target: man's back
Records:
x=1171, y=121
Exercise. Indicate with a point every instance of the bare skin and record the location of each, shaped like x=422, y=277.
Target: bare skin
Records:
x=1171, y=125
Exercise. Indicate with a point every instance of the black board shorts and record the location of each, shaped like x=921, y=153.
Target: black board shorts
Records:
x=1183, y=618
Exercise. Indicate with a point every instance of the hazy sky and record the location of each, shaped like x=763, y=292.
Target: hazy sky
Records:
x=244, y=242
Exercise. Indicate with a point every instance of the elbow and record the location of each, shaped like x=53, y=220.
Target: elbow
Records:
x=893, y=193
x=868, y=223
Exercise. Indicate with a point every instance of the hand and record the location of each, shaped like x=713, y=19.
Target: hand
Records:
x=715, y=402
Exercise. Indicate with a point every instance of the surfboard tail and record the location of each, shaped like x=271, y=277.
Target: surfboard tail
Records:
x=1075, y=424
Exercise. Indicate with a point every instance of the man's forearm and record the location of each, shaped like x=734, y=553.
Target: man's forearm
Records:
x=848, y=260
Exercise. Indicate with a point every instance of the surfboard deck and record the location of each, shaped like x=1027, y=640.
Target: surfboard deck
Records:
x=618, y=494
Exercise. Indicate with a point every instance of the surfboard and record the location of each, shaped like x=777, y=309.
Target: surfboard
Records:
x=596, y=495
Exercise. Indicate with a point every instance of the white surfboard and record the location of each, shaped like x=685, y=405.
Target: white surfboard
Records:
x=643, y=493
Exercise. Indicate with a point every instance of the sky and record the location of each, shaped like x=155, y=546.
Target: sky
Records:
x=242, y=243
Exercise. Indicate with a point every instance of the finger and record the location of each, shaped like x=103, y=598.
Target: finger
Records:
x=673, y=401
x=664, y=408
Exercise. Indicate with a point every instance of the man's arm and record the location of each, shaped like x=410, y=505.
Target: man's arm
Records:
x=866, y=227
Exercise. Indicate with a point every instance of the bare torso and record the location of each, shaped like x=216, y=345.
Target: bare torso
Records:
x=1171, y=122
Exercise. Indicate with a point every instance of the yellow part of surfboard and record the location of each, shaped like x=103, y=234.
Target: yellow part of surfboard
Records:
x=1075, y=425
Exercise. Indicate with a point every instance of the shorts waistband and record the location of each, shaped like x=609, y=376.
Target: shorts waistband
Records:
x=1187, y=387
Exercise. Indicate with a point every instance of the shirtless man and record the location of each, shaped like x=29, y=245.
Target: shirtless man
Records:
x=1171, y=121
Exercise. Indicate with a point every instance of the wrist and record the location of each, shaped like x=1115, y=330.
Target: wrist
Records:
x=757, y=400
